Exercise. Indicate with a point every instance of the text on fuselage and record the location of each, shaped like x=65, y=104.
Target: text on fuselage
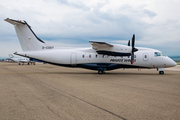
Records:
x=47, y=47
x=121, y=60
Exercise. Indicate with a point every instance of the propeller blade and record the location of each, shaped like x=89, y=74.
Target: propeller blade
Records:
x=132, y=58
x=129, y=43
x=133, y=49
x=133, y=40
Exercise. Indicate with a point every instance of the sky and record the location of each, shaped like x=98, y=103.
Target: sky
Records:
x=73, y=23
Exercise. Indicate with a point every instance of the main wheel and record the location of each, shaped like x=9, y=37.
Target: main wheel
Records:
x=161, y=72
x=19, y=63
x=100, y=71
x=28, y=63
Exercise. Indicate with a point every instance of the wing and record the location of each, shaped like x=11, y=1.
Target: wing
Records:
x=108, y=49
x=100, y=45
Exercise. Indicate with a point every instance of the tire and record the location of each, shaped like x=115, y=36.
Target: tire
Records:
x=161, y=72
x=100, y=72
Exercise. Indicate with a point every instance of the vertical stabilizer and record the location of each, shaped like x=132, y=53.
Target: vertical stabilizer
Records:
x=11, y=56
x=27, y=38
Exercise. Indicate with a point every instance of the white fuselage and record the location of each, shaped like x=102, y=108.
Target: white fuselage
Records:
x=20, y=60
x=88, y=58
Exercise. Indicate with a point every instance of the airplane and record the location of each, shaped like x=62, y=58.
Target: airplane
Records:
x=20, y=60
x=101, y=56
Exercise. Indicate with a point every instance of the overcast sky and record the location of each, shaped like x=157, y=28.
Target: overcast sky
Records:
x=73, y=23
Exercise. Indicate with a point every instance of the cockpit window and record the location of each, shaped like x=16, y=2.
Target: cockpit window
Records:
x=158, y=54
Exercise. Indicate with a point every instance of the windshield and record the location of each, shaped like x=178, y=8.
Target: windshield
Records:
x=158, y=54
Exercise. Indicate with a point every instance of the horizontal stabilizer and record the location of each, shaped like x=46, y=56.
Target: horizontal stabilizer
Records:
x=15, y=22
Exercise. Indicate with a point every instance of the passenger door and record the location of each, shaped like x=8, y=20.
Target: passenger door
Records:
x=73, y=59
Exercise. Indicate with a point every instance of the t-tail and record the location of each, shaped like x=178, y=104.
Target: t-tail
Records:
x=11, y=56
x=27, y=38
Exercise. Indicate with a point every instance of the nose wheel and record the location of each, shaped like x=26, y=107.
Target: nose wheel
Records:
x=161, y=72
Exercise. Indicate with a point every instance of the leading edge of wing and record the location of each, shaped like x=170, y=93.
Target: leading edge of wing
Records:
x=100, y=43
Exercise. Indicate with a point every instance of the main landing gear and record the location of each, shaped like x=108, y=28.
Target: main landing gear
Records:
x=101, y=71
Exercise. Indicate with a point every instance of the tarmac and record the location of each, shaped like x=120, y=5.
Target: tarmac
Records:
x=44, y=92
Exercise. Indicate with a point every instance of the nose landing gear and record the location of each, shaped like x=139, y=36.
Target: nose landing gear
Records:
x=161, y=71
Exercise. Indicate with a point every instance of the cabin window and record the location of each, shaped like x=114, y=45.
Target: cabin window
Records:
x=96, y=56
x=104, y=56
x=89, y=56
x=82, y=56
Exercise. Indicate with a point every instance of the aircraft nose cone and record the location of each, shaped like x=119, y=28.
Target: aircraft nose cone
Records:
x=172, y=63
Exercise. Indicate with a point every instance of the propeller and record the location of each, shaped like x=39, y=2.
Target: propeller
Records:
x=129, y=43
x=133, y=48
